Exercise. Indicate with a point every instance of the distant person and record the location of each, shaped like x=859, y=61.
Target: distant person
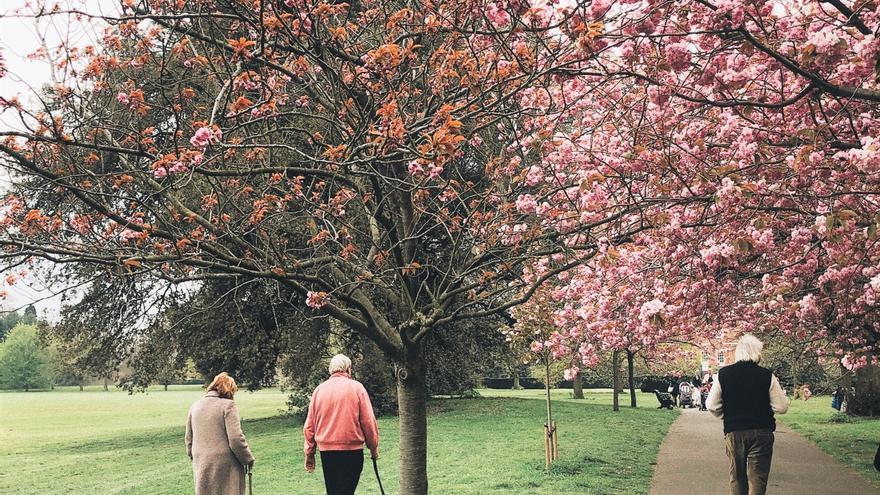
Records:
x=696, y=396
x=339, y=423
x=837, y=398
x=674, y=390
x=704, y=392
x=746, y=396
x=215, y=442
x=806, y=393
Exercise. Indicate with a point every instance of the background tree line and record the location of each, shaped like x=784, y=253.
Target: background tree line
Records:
x=257, y=331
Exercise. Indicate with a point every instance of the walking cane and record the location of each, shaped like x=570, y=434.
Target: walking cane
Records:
x=376, y=469
x=250, y=474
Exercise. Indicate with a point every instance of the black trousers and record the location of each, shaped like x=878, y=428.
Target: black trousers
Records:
x=342, y=470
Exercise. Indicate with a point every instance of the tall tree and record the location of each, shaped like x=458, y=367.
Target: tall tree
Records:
x=24, y=361
x=356, y=154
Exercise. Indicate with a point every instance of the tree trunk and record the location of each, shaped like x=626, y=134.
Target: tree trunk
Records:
x=516, y=384
x=105, y=385
x=412, y=408
x=866, y=399
x=166, y=387
x=615, y=377
x=577, y=386
x=548, y=426
x=80, y=387
x=630, y=358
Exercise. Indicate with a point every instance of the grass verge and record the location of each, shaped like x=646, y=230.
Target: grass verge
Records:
x=852, y=443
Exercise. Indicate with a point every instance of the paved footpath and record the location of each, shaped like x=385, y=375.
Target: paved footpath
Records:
x=692, y=461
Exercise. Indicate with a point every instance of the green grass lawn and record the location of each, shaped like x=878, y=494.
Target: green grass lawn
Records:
x=853, y=444
x=97, y=442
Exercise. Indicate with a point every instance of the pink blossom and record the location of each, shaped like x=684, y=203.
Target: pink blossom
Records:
x=128, y=235
x=526, y=204
x=679, y=56
x=497, y=15
x=599, y=7
x=651, y=309
x=205, y=136
x=316, y=300
x=570, y=373
x=808, y=308
x=303, y=101
x=434, y=170
x=178, y=167
x=415, y=168
x=534, y=176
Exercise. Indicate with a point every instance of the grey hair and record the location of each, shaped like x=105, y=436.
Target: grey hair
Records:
x=340, y=362
x=749, y=349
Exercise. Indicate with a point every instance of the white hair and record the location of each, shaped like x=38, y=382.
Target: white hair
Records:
x=340, y=362
x=749, y=349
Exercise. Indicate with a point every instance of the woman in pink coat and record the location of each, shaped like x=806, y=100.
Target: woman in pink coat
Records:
x=339, y=423
x=215, y=442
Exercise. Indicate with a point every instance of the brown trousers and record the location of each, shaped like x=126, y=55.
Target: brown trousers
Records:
x=750, y=453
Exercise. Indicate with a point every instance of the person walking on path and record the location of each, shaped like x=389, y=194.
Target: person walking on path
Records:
x=704, y=392
x=339, y=422
x=215, y=442
x=674, y=390
x=746, y=396
x=696, y=396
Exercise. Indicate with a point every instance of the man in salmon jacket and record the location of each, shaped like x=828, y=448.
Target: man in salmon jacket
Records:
x=339, y=423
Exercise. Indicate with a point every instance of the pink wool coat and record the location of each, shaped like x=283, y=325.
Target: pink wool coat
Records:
x=217, y=447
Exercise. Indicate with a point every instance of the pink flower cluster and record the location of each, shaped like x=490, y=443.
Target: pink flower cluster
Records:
x=317, y=300
x=205, y=136
x=423, y=167
x=497, y=15
x=651, y=309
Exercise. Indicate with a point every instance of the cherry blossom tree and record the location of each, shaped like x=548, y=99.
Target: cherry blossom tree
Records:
x=403, y=165
x=766, y=112
x=383, y=160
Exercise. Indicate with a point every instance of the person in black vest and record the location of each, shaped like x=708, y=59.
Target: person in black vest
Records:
x=746, y=396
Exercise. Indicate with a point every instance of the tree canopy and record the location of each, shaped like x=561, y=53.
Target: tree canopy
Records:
x=24, y=360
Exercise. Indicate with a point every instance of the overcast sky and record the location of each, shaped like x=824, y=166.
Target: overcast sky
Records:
x=18, y=39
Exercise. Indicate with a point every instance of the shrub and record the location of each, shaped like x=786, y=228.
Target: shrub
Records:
x=298, y=404
x=840, y=417
x=651, y=383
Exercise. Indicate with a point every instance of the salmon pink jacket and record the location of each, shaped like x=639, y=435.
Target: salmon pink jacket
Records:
x=340, y=417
